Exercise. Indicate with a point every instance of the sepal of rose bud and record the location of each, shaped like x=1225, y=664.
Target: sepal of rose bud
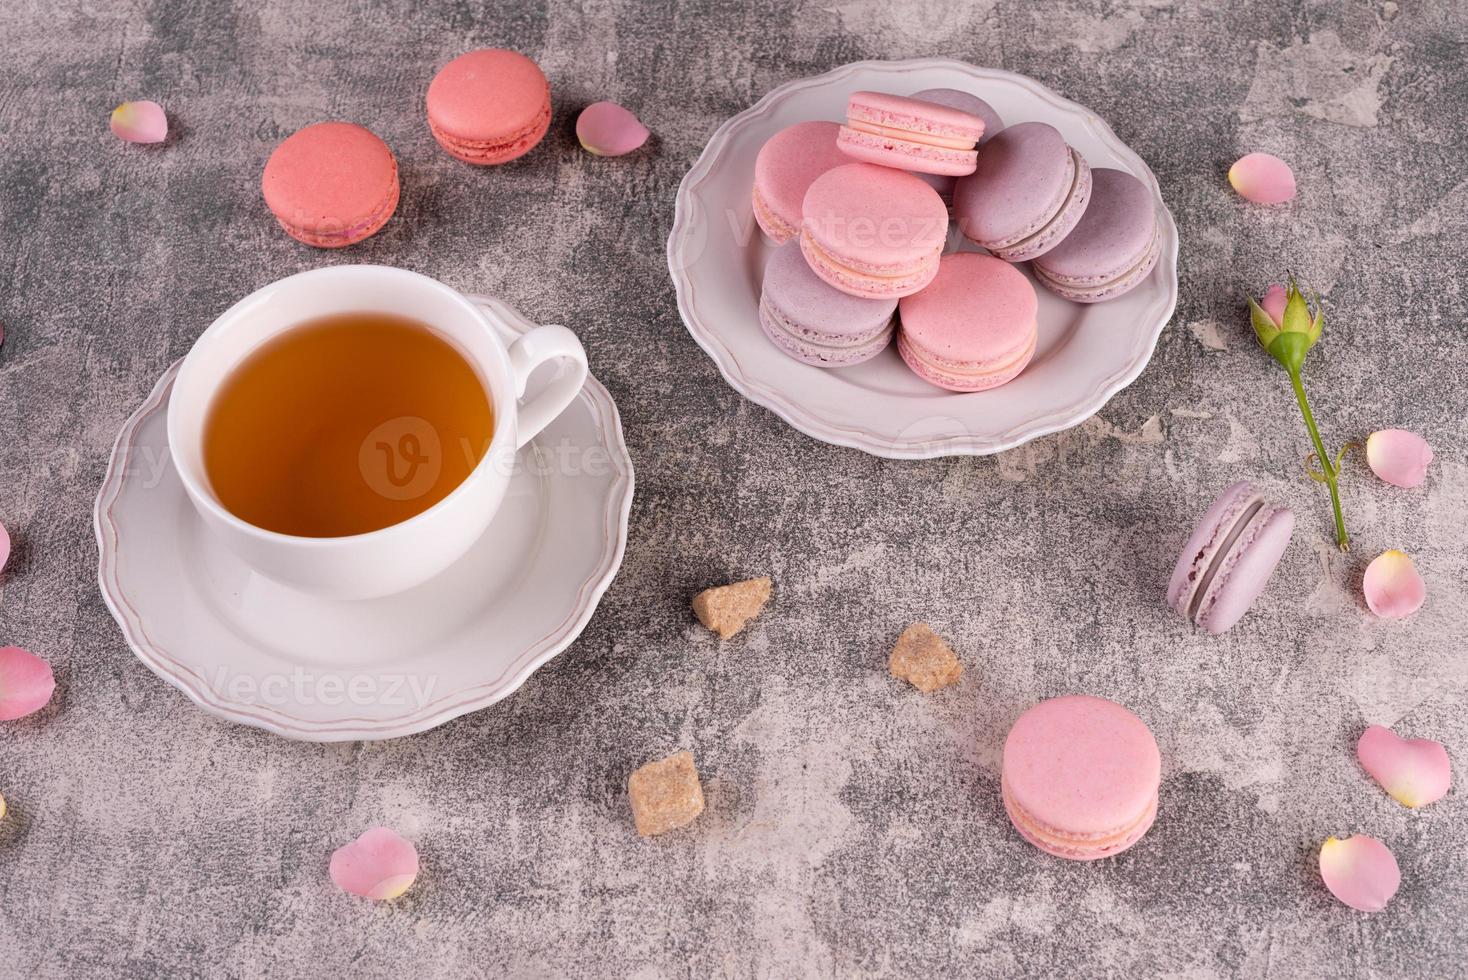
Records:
x=1297, y=316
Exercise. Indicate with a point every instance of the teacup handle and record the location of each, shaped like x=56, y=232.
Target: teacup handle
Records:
x=533, y=349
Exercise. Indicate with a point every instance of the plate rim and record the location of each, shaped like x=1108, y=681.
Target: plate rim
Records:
x=176, y=673
x=958, y=444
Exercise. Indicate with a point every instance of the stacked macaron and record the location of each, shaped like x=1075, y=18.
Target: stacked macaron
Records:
x=876, y=228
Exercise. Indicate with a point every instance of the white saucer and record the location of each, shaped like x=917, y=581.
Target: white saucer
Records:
x=252, y=651
x=717, y=255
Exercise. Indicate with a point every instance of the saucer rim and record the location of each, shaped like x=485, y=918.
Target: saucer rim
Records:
x=176, y=672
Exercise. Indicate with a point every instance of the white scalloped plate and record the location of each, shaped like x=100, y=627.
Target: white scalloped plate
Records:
x=258, y=653
x=716, y=255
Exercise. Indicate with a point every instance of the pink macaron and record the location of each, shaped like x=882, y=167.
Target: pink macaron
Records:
x=1228, y=560
x=1028, y=191
x=873, y=231
x=1080, y=777
x=331, y=184
x=489, y=106
x=1111, y=249
x=816, y=323
x=910, y=134
x=783, y=171
x=974, y=327
x=964, y=102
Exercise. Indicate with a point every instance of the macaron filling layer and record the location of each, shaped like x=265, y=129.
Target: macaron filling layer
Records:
x=823, y=349
x=1075, y=185
x=350, y=235
x=1077, y=846
x=494, y=150
x=773, y=225
x=888, y=282
x=912, y=119
x=919, y=136
x=1215, y=567
x=1105, y=286
x=965, y=375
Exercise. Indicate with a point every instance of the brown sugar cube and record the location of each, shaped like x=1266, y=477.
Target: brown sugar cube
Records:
x=665, y=794
x=726, y=608
x=922, y=657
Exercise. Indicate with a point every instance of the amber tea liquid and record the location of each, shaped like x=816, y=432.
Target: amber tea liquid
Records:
x=345, y=424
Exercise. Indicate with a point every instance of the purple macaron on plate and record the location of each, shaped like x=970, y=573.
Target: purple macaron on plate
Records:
x=1084, y=353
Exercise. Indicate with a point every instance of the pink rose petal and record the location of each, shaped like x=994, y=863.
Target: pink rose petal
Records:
x=1273, y=303
x=379, y=864
x=1398, y=456
x=2, y=808
x=4, y=547
x=1414, y=772
x=1392, y=586
x=140, y=122
x=26, y=683
x=1360, y=871
x=1263, y=179
x=608, y=130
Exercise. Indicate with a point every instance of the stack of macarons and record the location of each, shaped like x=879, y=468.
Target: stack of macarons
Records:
x=870, y=203
x=333, y=184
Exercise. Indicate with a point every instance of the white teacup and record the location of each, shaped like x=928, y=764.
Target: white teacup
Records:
x=408, y=553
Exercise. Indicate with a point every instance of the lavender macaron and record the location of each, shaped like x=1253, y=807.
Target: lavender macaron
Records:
x=963, y=102
x=1028, y=191
x=1228, y=560
x=816, y=323
x=1111, y=249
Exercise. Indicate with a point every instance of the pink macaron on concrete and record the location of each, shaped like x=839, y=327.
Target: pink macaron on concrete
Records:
x=1080, y=777
x=1228, y=560
x=910, y=134
x=963, y=102
x=1029, y=190
x=973, y=328
x=1111, y=249
x=783, y=171
x=873, y=231
x=816, y=323
x=489, y=106
x=331, y=184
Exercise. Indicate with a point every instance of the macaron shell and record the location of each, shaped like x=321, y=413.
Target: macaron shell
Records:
x=978, y=311
x=965, y=102
x=1100, y=292
x=785, y=168
x=962, y=377
x=1083, y=767
x=1116, y=235
x=874, y=219
x=1075, y=848
x=1246, y=569
x=816, y=323
x=922, y=117
x=1028, y=191
x=331, y=184
x=489, y=106
x=1204, y=542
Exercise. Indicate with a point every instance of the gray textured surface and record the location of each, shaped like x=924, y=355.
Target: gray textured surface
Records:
x=853, y=826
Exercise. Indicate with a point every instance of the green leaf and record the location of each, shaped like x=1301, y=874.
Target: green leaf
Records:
x=1264, y=327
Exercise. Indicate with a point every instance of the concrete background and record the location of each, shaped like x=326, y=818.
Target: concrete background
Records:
x=853, y=825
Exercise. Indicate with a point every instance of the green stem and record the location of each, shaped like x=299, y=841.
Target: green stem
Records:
x=1326, y=467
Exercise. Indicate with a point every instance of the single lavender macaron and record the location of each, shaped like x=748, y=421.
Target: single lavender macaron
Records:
x=1080, y=777
x=783, y=171
x=873, y=231
x=910, y=134
x=1111, y=249
x=963, y=102
x=1029, y=190
x=1228, y=560
x=816, y=323
x=973, y=328
x=489, y=106
x=331, y=184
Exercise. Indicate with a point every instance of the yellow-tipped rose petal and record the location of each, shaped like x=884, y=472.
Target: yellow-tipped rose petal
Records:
x=140, y=122
x=1392, y=586
x=608, y=130
x=1360, y=871
x=1263, y=179
x=1414, y=772
x=379, y=864
x=1399, y=457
